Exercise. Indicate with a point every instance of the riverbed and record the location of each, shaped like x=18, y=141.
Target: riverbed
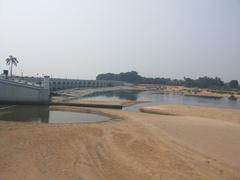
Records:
x=153, y=98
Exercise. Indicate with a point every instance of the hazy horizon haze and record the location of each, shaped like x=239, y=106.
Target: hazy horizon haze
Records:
x=156, y=38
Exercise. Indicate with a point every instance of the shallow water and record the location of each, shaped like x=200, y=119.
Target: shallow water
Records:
x=42, y=114
x=156, y=98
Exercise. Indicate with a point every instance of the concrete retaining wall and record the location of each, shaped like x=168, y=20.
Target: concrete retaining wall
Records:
x=24, y=93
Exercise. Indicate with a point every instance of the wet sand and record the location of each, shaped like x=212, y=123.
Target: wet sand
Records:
x=230, y=115
x=133, y=145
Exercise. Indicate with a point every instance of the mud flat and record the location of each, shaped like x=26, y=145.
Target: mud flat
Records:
x=133, y=145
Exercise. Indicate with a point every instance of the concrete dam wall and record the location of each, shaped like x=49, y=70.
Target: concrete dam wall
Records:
x=61, y=84
x=15, y=91
x=33, y=90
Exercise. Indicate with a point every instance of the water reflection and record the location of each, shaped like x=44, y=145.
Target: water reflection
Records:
x=123, y=95
x=160, y=98
x=41, y=114
x=26, y=114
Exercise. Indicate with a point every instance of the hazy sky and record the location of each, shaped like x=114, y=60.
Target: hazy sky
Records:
x=81, y=38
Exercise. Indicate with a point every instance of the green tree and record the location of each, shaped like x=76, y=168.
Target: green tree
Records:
x=233, y=84
x=11, y=61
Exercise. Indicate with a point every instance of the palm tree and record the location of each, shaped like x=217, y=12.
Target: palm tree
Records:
x=11, y=61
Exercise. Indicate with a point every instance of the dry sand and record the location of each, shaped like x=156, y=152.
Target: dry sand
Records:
x=198, y=92
x=134, y=145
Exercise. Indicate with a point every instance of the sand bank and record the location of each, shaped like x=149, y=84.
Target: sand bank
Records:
x=230, y=115
x=133, y=145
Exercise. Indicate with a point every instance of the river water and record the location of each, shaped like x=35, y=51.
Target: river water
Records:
x=42, y=113
x=156, y=98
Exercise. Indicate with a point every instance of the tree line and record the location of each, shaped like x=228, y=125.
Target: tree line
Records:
x=201, y=82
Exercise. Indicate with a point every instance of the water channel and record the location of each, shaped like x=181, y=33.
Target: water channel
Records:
x=44, y=115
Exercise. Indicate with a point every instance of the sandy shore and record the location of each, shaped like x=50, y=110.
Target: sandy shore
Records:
x=230, y=115
x=133, y=145
x=198, y=92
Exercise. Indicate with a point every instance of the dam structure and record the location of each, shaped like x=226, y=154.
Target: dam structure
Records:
x=16, y=91
x=56, y=84
x=34, y=90
x=60, y=84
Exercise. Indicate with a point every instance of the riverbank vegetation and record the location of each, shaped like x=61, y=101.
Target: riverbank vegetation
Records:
x=202, y=82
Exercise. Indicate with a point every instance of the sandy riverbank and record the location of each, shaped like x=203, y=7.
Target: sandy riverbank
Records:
x=230, y=115
x=134, y=145
x=198, y=92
